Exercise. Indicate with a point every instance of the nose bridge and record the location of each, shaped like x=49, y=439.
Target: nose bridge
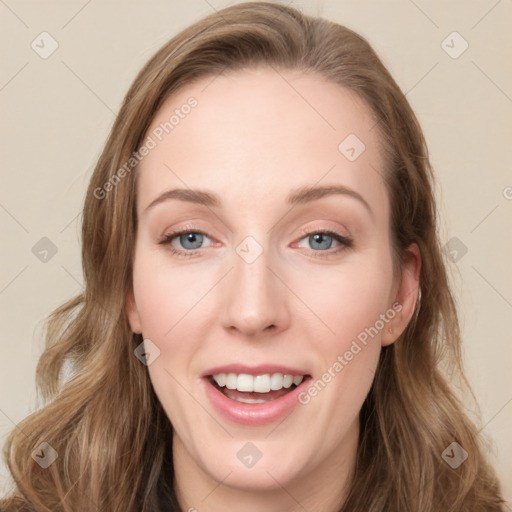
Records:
x=254, y=297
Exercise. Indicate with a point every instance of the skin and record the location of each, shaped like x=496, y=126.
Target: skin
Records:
x=254, y=136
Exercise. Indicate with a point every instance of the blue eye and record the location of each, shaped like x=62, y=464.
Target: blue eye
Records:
x=320, y=242
x=189, y=240
x=324, y=240
x=195, y=239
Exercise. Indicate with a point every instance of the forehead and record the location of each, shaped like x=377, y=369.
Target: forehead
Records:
x=256, y=134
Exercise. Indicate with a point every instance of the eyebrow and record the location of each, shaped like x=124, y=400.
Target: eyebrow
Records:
x=301, y=195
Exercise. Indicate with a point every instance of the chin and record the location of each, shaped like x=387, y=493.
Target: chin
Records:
x=258, y=465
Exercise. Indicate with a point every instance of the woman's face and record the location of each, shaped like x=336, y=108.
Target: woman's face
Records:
x=285, y=276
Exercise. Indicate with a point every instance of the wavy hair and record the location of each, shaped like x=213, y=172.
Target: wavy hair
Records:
x=112, y=435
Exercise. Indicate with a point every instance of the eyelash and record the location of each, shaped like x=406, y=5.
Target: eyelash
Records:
x=346, y=243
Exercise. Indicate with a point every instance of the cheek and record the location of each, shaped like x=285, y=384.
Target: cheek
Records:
x=169, y=302
x=166, y=295
x=352, y=305
x=337, y=302
x=352, y=302
x=347, y=299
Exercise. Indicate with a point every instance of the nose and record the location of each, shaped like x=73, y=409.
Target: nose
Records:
x=255, y=299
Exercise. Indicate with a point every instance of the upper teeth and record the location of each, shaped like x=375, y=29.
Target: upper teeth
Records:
x=256, y=383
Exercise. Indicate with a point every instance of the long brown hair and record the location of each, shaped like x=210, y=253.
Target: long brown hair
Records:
x=113, y=438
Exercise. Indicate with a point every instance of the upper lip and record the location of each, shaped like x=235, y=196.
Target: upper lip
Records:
x=260, y=369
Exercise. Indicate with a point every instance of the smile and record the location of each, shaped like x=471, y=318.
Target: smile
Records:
x=256, y=389
x=254, y=397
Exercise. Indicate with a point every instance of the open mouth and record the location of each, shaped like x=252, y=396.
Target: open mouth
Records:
x=255, y=389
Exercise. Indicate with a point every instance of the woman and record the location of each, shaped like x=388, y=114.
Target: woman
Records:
x=294, y=357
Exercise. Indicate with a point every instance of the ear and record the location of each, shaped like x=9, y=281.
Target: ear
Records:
x=132, y=313
x=405, y=295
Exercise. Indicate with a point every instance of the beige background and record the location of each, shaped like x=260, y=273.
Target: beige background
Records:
x=56, y=112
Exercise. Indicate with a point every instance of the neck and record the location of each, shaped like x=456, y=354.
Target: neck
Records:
x=322, y=488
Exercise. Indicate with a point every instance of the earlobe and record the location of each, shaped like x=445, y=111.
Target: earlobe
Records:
x=406, y=295
x=132, y=314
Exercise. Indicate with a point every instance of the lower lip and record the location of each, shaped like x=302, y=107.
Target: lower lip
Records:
x=253, y=414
